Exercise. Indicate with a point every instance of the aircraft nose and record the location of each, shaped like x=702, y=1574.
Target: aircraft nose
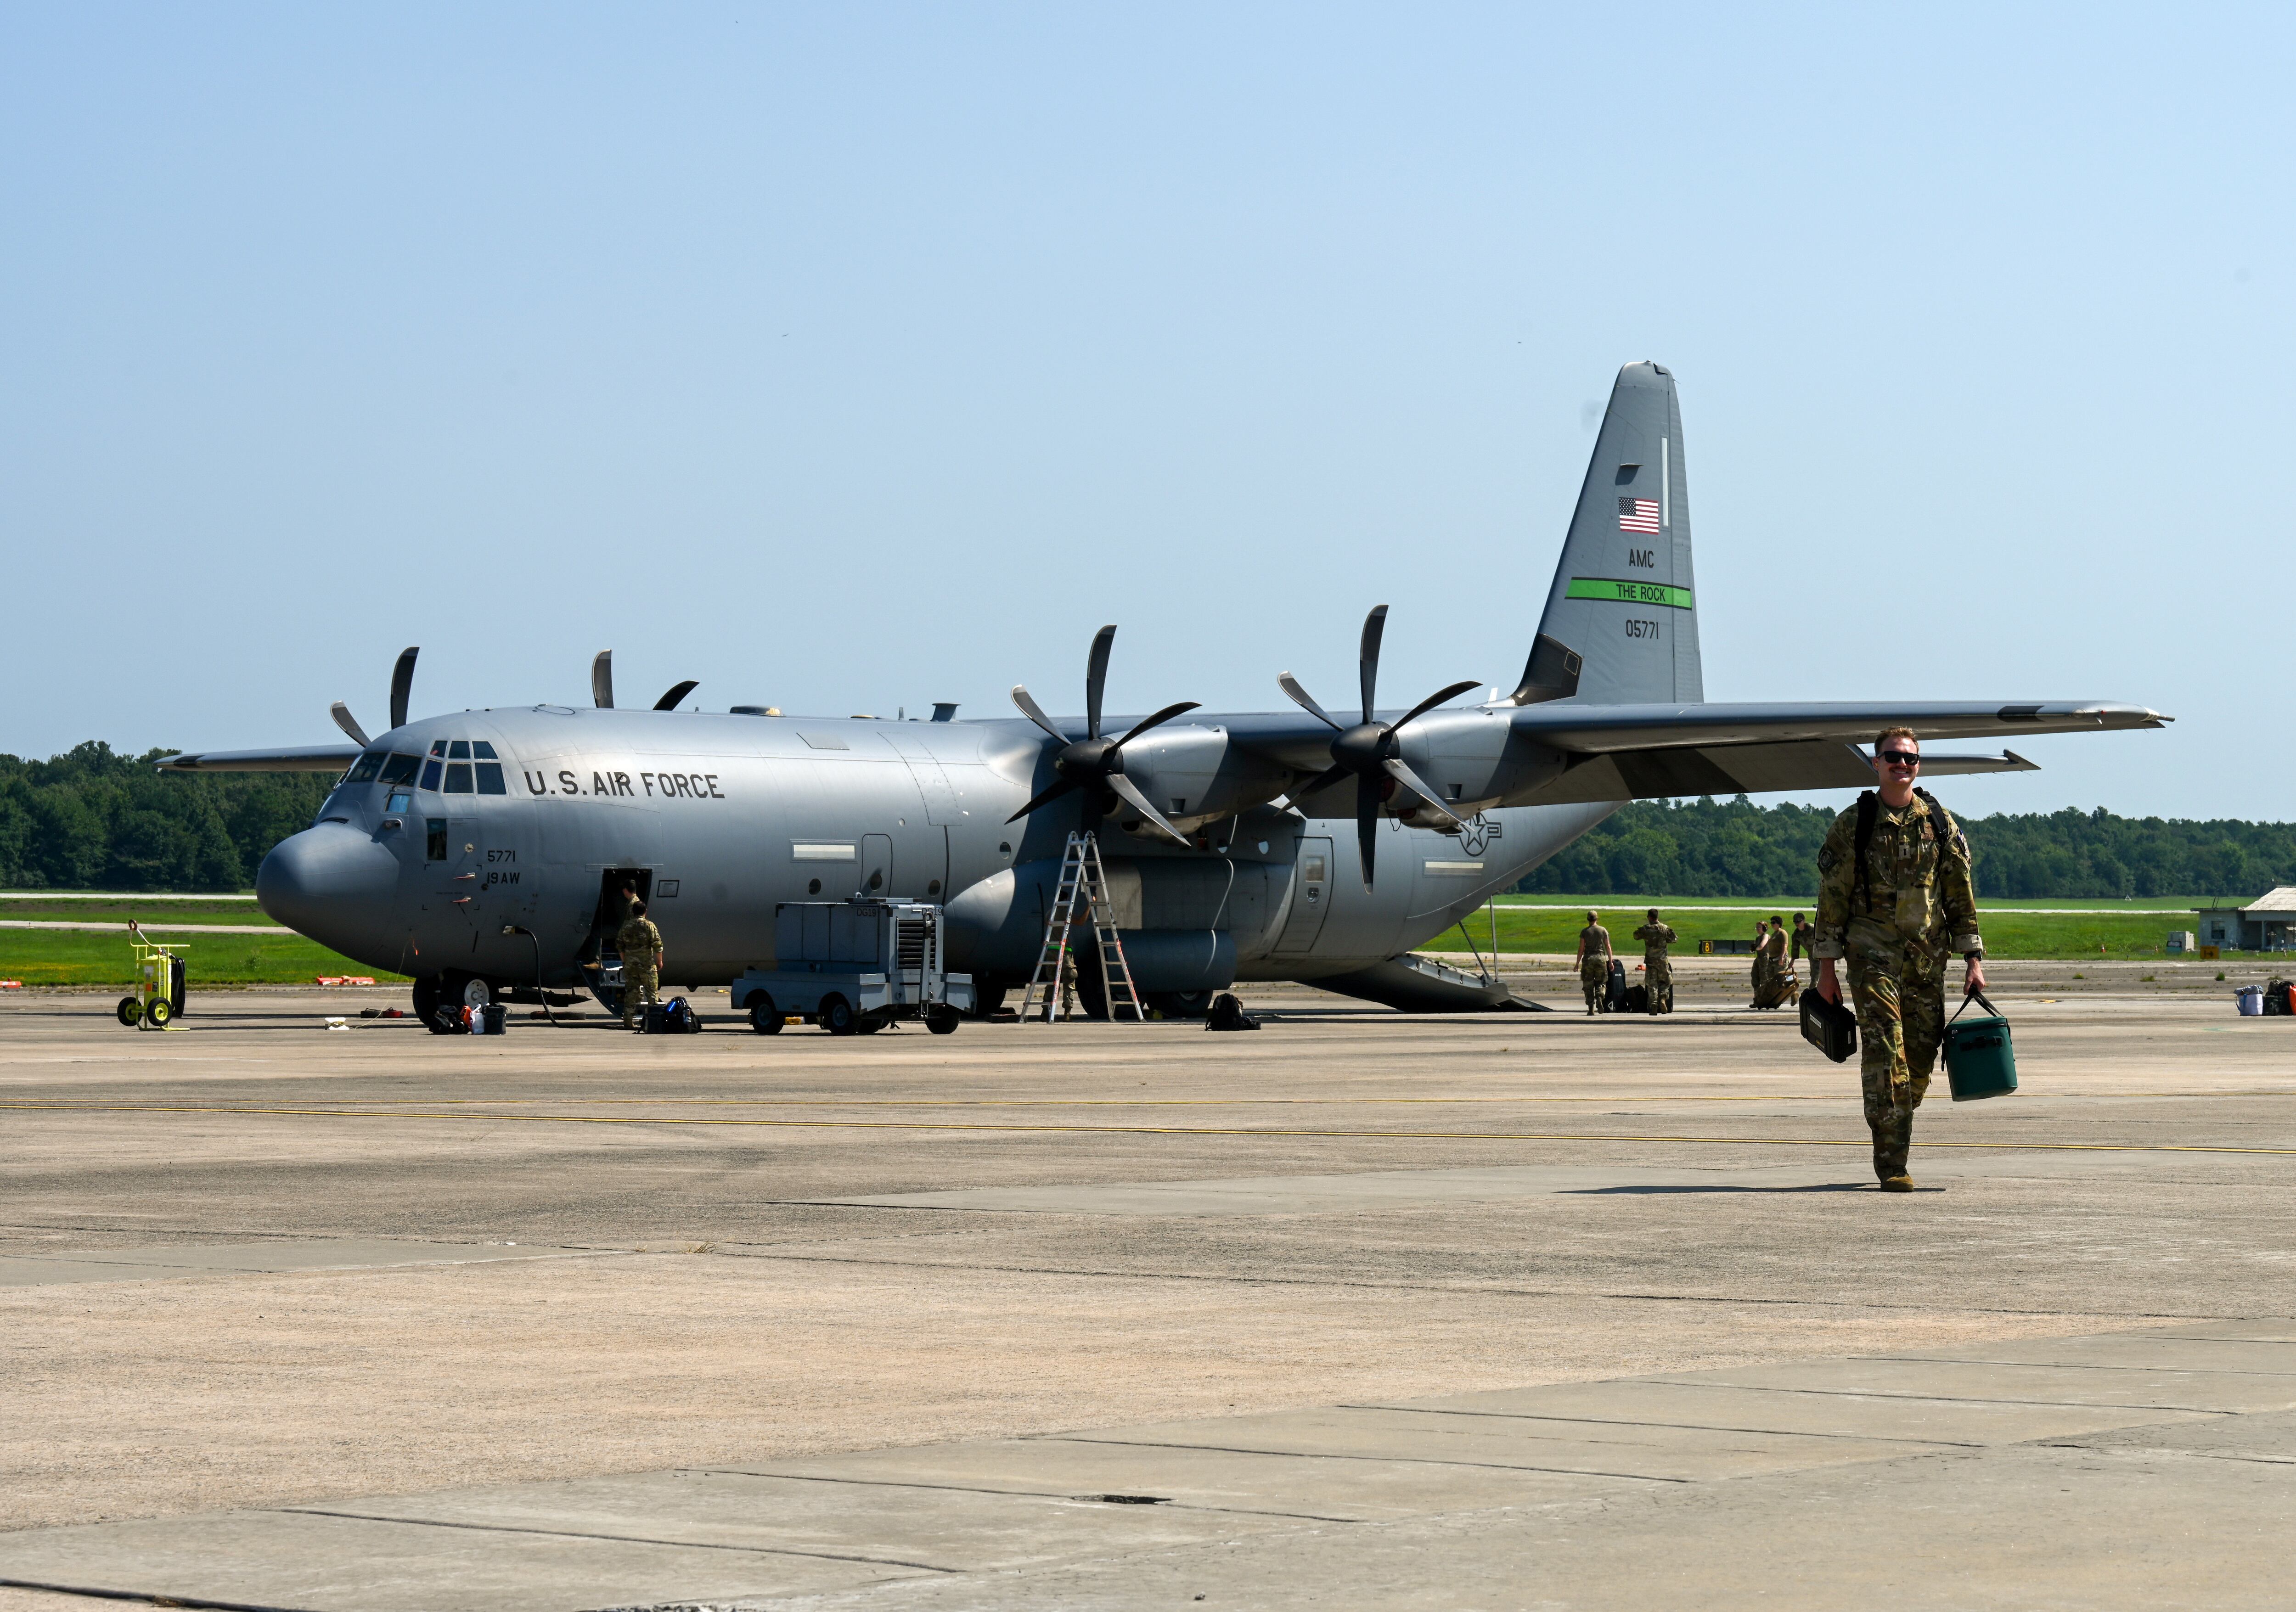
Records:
x=332, y=882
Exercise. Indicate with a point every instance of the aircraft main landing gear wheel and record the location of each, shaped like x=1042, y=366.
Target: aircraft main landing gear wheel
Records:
x=131, y=1011
x=465, y=991
x=765, y=1018
x=835, y=1015
x=158, y=1011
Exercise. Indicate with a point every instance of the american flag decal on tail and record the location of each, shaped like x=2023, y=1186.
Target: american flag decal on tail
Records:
x=1638, y=515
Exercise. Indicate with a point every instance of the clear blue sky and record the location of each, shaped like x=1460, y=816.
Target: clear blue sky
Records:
x=852, y=358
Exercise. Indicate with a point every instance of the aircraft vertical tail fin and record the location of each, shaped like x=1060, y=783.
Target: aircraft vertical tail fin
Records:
x=1621, y=620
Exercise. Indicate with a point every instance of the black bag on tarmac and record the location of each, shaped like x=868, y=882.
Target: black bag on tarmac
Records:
x=1634, y=999
x=1227, y=1013
x=1830, y=1027
x=1614, y=994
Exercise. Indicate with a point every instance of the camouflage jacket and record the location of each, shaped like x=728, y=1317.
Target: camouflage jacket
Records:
x=1917, y=904
x=1594, y=941
x=1775, y=946
x=1655, y=938
x=639, y=943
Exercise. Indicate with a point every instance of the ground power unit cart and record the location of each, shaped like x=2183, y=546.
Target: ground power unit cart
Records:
x=854, y=967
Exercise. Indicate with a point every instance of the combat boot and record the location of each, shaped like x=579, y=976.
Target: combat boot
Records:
x=1899, y=1182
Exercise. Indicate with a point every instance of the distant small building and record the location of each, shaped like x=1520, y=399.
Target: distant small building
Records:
x=2264, y=925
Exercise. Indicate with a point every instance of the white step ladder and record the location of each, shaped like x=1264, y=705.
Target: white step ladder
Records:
x=1084, y=883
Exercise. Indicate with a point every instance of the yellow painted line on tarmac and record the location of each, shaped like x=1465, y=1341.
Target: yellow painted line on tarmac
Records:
x=1271, y=1130
x=1202, y=1102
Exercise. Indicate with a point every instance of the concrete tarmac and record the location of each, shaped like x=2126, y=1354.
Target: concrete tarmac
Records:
x=1516, y=1311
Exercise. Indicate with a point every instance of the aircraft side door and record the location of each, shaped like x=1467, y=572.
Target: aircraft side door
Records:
x=876, y=864
x=1311, y=897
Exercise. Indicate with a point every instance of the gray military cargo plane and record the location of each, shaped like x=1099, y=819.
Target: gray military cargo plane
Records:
x=484, y=853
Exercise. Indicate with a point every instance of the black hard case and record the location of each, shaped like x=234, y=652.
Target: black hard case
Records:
x=1830, y=1027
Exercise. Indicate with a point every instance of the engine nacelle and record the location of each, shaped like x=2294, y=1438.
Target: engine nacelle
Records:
x=1474, y=759
x=1195, y=776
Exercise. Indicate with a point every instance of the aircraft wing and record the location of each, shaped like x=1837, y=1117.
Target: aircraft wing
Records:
x=303, y=758
x=1642, y=752
x=1600, y=730
x=1654, y=752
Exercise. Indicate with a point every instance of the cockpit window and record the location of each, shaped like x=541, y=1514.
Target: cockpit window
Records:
x=458, y=778
x=365, y=768
x=490, y=778
x=400, y=769
x=460, y=751
x=437, y=747
x=431, y=772
x=480, y=749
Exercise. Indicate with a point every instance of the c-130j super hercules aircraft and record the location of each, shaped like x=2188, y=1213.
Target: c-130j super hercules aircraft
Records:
x=483, y=852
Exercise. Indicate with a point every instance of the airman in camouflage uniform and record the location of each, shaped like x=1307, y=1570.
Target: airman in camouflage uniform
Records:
x=1657, y=972
x=639, y=943
x=1897, y=925
x=1773, y=978
x=1595, y=964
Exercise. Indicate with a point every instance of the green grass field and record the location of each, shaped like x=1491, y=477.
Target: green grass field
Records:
x=84, y=957
x=2134, y=929
x=218, y=909
x=2128, y=930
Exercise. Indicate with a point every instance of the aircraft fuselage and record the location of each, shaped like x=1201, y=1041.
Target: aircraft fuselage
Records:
x=484, y=844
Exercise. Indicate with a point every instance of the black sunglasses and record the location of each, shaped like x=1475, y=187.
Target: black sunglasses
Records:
x=1898, y=758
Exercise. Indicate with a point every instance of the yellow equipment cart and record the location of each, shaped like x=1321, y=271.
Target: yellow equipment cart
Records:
x=159, y=995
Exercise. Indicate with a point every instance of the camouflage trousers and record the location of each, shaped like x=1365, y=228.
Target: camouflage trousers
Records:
x=1658, y=984
x=641, y=987
x=1900, y=1023
x=1594, y=979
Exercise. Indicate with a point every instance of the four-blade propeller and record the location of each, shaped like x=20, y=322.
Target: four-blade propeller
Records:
x=1369, y=749
x=601, y=685
x=1092, y=763
x=402, y=683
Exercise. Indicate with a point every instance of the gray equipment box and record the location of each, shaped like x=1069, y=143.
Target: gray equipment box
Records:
x=855, y=965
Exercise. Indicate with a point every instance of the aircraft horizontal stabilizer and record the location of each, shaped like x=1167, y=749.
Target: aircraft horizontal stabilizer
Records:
x=1961, y=766
x=1748, y=769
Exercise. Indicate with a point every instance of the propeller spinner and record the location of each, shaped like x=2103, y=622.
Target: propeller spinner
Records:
x=1369, y=749
x=1092, y=763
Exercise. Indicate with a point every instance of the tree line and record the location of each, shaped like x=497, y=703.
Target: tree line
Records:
x=1734, y=848
x=95, y=819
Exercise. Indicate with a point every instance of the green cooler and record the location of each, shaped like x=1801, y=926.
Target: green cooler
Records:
x=1979, y=1061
